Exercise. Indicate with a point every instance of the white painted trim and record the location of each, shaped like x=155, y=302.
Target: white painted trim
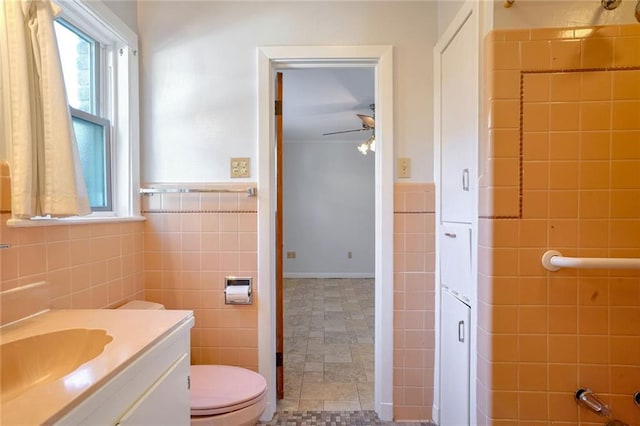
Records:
x=94, y=16
x=75, y=220
x=329, y=275
x=282, y=57
x=470, y=10
x=97, y=20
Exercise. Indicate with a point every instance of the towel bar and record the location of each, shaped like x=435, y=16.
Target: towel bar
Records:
x=251, y=192
x=552, y=260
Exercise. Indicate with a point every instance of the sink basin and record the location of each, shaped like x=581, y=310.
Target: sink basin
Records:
x=43, y=358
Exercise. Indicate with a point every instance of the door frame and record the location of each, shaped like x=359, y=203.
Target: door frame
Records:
x=273, y=58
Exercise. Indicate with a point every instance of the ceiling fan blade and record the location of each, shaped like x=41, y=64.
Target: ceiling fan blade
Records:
x=344, y=131
x=367, y=121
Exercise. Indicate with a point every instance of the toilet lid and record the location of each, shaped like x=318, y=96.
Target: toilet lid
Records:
x=217, y=389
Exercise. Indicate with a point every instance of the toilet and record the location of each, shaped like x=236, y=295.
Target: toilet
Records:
x=221, y=395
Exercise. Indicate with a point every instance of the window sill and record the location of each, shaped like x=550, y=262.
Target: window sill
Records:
x=26, y=223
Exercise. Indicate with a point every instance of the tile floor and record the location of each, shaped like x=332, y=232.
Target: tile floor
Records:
x=328, y=345
x=328, y=356
x=334, y=418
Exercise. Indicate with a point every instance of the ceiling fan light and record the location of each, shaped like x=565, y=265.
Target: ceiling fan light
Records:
x=372, y=143
x=363, y=148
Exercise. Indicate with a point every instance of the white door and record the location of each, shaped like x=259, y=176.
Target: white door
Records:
x=459, y=124
x=454, y=361
x=455, y=260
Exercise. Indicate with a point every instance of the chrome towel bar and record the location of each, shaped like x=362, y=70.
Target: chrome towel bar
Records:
x=552, y=260
x=251, y=192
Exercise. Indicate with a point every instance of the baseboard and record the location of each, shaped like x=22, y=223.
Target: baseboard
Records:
x=329, y=275
x=385, y=411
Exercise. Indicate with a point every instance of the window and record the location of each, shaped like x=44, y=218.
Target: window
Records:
x=81, y=58
x=100, y=66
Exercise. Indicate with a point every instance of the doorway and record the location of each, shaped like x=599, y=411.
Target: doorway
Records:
x=274, y=58
x=329, y=239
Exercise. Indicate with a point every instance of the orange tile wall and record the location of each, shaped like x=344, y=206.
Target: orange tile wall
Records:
x=180, y=256
x=414, y=300
x=191, y=242
x=5, y=188
x=67, y=266
x=562, y=173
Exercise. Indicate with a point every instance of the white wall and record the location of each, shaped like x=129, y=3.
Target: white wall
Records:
x=199, y=77
x=126, y=10
x=328, y=210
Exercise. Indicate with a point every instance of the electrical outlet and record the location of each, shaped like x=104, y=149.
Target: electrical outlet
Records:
x=404, y=167
x=240, y=167
x=349, y=255
x=291, y=255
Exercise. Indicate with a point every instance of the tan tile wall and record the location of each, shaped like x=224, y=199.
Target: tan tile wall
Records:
x=414, y=300
x=563, y=173
x=5, y=188
x=191, y=242
x=188, y=244
x=68, y=267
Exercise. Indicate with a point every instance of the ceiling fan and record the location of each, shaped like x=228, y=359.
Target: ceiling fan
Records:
x=368, y=123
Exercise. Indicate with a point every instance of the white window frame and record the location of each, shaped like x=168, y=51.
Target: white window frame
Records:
x=119, y=102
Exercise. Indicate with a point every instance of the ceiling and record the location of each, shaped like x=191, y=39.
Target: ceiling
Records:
x=322, y=100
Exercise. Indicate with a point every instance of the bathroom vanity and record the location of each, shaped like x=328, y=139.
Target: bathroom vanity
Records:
x=109, y=367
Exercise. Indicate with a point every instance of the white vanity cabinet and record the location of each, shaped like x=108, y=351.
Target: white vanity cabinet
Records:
x=159, y=404
x=151, y=390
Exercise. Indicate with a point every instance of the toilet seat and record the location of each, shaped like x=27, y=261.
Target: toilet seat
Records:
x=219, y=389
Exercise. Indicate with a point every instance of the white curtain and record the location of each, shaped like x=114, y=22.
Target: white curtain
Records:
x=46, y=175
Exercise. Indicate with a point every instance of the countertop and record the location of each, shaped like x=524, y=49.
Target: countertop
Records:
x=133, y=332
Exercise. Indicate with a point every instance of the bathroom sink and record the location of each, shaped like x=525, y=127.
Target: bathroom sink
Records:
x=43, y=358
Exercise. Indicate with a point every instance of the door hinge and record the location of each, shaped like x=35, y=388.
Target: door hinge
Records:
x=188, y=382
x=279, y=362
x=278, y=107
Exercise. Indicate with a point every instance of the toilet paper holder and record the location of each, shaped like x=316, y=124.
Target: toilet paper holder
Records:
x=238, y=290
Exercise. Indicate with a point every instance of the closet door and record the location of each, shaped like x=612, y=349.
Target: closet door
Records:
x=454, y=361
x=459, y=125
x=455, y=260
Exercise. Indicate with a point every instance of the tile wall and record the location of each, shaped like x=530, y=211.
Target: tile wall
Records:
x=562, y=173
x=414, y=300
x=192, y=241
x=179, y=257
x=5, y=188
x=67, y=266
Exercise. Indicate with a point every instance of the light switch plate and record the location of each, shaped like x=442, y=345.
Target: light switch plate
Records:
x=404, y=167
x=240, y=167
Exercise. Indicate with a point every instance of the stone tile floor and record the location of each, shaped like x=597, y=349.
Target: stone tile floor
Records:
x=328, y=345
x=328, y=356
x=332, y=418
